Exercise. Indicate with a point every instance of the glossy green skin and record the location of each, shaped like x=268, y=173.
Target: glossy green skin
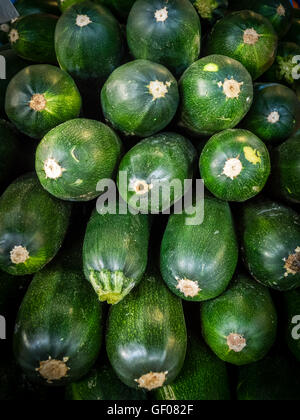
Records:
x=227, y=39
x=231, y=144
x=206, y=253
x=268, y=98
x=208, y=110
x=36, y=38
x=31, y=218
x=8, y=151
x=292, y=307
x=59, y=317
x=203, y=377
x=88, y=150
x=157, y=160
x=147, y=333
x=285, y=177
x=246, y=308
x=128, y=104
x=293, y=34
x=175, y=43
x=115, y=253
x=106, y=386
x=210, y=10
x=270, y=233
x=78, y=49
x=30, y=7
x=282, y=69
x=59, y=90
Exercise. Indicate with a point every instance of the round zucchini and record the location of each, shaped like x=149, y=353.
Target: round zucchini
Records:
x=235, y=165
x=33, y=226
x=247, y=37
x=223, y=100
x=210, y=10
x=271, y=244
x=59, y=327
x=292, y=308
x=240, y=325
x=8, y=152
x=30, y=7
x=282, y=71
x=39, y=98
x=115, y=253
x=153, y=165
x=166, y=32
x=146, y=336
x=32, y=38
x=140, y=98
x=73, y=157
x=88, y=42
x=198, y=261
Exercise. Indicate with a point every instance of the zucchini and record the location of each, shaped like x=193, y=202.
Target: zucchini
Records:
x=166, y=32
x=224, y=99
x=240, y=325
x=140, y=98
x=235, y=165
x=115, y=253
x=284, y=65
x=8, y=152
x=146, y=336
x=198, y=261
x=270, y=234
x=211, y=10
x=32, y=228
x=247, y=37
x=292, y=327
x=30, y=7
x=73, y=157
x=39, y=98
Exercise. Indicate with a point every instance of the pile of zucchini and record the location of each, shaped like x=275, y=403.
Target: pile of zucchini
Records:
x=106, y=304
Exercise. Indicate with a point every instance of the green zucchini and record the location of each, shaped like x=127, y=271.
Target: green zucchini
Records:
x=115, y=253
x=151, y=166
x=59, y=327
x=235, y=165
x=39, y=98
x=166, y=32
x=8, y=152
x=292, y=308
x=32, y=38
x=146, y=336
x=282, y=71
x=240, y=325
x=223, y=100
x=33, y=226
x=30, y=7
x=270, y=234
x=140, y=98
x=198, y=261
x=210, y=10
x=203, y=377
x=247, y=37
x=73, y=157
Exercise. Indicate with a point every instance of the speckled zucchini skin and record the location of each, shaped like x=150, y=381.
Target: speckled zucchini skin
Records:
x=246, y=308
x=292, y=307
x=227, y=38
x=282, y=69
x=270, y=234
x=87, y=150
x=34, y=39
x=30, y=218
x=208, y=110
x=146, y=333
x=128, y=104
x=8, y=151
x=63, y=100
x=205, y=254
x=173, y=42
x=30, y=7
x=244, y=147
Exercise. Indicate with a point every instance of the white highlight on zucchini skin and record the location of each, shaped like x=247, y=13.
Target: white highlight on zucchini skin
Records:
x=83, y=20
x=152, y=380
x=233, y=167
x=19, y=255
x=52, y=169
x=161, y=15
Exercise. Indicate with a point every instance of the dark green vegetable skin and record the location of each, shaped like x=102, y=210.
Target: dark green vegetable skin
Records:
x=156, y=162
x=203, y=377
x=8, y=152
x=292, y=306
x=65, y=4
x=146, y=336
x=198, y=261
x=30, y=7
x=270, y=241
x=32, y=38
x=284, y=65
x=224, y=98
x=293, y=34
x=115, y=253
x=120, y=7
x=73, y=157
x=39, y=98
x=246, y=311
x=210, y=10
x=77, y=45
x=247, y=37
x=32, y=228
x=235, y=165
x=60, y=320
x=166, y=32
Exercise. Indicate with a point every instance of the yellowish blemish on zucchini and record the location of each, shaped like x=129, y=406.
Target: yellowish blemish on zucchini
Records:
x=53, y=370
x=236, y=342
x=292, y=263
x=211, y=67
x=152, y=380
x=19, y=255
x=252, y=155
x=281, y=10
x=13, y=36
